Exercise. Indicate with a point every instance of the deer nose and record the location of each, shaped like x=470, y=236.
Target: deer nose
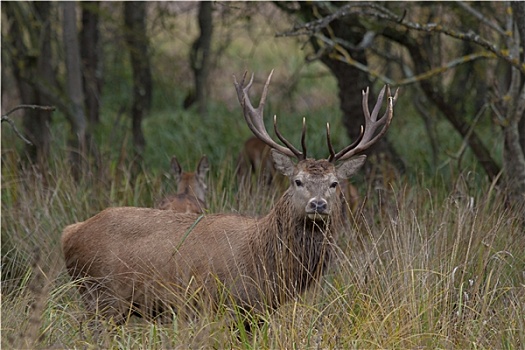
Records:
x=319, y=206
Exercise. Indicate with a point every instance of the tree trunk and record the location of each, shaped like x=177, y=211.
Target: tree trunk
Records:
x=518, y=9
x=74, y=87
x=35, y=62
x=90, y=52
x=200, y=55
x=137, y=41
x=514, y=110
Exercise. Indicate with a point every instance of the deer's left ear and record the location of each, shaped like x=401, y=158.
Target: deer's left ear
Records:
x=282, y=163
x=176, y=169
x=202, y=168
x=350, y=166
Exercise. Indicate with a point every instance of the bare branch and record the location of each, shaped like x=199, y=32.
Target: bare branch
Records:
x=5, y=118
x=313, y=27
x=480, y=16
x=438, y=70
x=45, y=108
x=470, y=36
x=372, y=9
x=345, y=57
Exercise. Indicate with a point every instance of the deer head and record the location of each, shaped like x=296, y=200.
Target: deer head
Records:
x=191, y=183
x=314, y=182
x=191, y=188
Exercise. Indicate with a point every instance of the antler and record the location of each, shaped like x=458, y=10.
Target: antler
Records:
x=366, y=137
x=254, y=119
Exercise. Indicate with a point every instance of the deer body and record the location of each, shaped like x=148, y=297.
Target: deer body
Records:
x=255, y=159
x=137, y=260
x=165, y=252
x=191, y=189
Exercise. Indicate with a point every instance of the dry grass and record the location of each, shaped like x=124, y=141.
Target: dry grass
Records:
x=429, y=270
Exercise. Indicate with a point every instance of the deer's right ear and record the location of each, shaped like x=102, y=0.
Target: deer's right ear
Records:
x=283, y=163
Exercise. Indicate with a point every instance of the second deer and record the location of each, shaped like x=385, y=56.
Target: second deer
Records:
x=255, y=160
x=191, y=189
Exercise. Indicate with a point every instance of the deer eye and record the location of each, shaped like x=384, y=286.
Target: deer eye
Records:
x=298, y=183
x=334, y=184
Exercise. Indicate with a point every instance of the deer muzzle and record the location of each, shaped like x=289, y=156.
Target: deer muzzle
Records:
x=317, y=206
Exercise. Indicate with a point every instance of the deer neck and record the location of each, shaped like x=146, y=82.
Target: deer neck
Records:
x=296, y=250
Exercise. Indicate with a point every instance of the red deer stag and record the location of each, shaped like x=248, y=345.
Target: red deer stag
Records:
x=191, y=189
x=142, y=261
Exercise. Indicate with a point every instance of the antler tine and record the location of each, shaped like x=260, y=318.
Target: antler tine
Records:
x=254, y=116
x=334, y=157
x=303, y=138
x=329, y=142
x=367, y=137
x=295, y=151
x=254, y=121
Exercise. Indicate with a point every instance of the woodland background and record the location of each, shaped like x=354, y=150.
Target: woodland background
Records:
x=133, y=83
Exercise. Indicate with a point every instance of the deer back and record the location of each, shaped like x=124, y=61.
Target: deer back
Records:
x=147, y=260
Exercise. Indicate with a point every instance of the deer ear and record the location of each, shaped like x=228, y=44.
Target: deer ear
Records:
x=283, y=163
x=350, y=166
x=176, y=168
x=203, y=168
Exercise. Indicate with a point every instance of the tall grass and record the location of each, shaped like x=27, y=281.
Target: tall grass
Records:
x=434, y=262
x=426, y=267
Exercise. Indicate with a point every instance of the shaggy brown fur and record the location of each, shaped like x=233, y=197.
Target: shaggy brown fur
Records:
x=137, y=260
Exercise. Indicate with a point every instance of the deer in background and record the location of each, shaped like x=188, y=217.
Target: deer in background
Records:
x=191, y=189
x=142, y=261
x=255, y=159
